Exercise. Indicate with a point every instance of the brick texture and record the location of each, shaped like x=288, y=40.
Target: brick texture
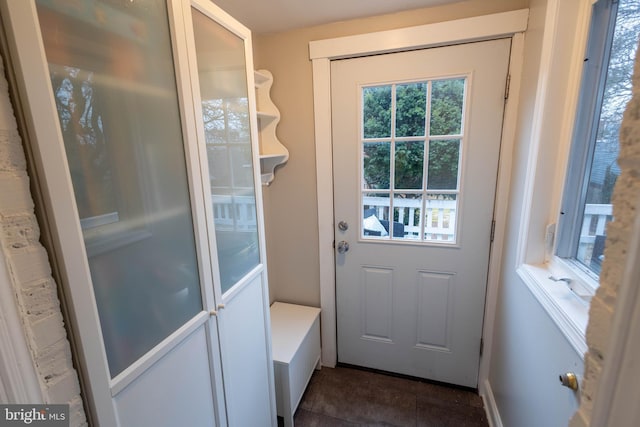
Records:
x=625, y=211
x=35, y=291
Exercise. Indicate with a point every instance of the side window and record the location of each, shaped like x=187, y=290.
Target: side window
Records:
x=593, y=167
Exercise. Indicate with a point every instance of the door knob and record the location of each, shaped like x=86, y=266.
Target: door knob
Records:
x=343, y=247
x=569, y=380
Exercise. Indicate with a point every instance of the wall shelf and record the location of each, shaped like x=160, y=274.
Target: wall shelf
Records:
x=272, y=152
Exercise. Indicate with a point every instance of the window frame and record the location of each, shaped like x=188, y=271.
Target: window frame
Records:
x=594, y=74
x=546, y=124
x=562, y=286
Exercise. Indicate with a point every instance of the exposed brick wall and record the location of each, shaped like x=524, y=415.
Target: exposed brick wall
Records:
x=625, y=211
x=26, y=259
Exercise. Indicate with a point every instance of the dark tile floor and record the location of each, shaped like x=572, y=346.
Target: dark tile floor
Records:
x=352, y=397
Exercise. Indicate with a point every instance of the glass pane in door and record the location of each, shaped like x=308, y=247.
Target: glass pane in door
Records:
x=112, y=73
x=411, y=104
x=376, y=165
x=418, y=165
x=376, y=114
x=444, y=162
x=447, y=104
x=409, y=161
x=225, y=107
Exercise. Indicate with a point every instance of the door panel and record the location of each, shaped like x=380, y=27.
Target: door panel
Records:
x=222, y=53
x=248, y=383
x=110, y=87
x=175, y=382
x=416, y=138
x=377, y=303
x=224, y=98
x=434, y=310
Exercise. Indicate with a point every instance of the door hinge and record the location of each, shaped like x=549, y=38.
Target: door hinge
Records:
x=507, y=86
x=493, y=230
x=481, y=346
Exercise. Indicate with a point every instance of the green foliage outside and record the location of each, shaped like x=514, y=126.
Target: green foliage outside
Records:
x=447, y=99
x=377, y=112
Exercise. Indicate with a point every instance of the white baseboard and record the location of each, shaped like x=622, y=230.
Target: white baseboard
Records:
x=490, y=407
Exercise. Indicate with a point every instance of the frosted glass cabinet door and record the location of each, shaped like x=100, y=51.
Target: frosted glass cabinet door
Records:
x=112, y=72
x=221, y=67
x=222, y=75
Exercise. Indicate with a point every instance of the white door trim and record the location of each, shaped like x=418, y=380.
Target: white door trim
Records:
x=322, y=52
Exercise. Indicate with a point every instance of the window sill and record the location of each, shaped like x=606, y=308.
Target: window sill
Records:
x=566, y=303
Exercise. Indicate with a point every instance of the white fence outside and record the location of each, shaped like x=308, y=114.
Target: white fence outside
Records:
x=441, y=220
x=238, y=213
x=594, y=225
x=234, y=213
x=440, y=216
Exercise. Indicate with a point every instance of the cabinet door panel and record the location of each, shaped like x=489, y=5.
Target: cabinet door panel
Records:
x=117, y=105
x=105, y=101
x=225, y=97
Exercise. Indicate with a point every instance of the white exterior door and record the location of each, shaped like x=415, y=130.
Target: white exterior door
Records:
x=416, y=138
x=145, y=149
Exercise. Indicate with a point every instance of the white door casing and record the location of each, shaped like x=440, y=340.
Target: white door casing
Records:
x=404, y=304
x=153, y=388
x=322, y=52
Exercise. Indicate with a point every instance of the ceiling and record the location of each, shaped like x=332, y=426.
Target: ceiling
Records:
x=268, y=16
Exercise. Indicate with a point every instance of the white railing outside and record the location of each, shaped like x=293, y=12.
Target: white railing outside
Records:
x=594, y=224
x=238, y=213
x=440, y=216
x=234, y=213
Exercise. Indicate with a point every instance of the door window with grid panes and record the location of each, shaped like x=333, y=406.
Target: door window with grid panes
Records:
x=412, y=138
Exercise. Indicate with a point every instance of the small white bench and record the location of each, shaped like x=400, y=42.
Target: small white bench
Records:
x=295, y=343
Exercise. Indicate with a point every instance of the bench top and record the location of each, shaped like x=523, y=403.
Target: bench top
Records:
x=290, y=323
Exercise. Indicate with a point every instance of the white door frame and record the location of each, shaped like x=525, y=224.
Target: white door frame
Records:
x=322, y=52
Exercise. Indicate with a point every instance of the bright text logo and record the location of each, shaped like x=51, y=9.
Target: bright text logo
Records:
x=34, y=415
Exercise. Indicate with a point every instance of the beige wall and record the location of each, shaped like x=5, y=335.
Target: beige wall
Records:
x=290, y=202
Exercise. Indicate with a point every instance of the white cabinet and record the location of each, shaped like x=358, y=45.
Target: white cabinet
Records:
x=141, y=122
x=272, y=152
x=295, y=335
